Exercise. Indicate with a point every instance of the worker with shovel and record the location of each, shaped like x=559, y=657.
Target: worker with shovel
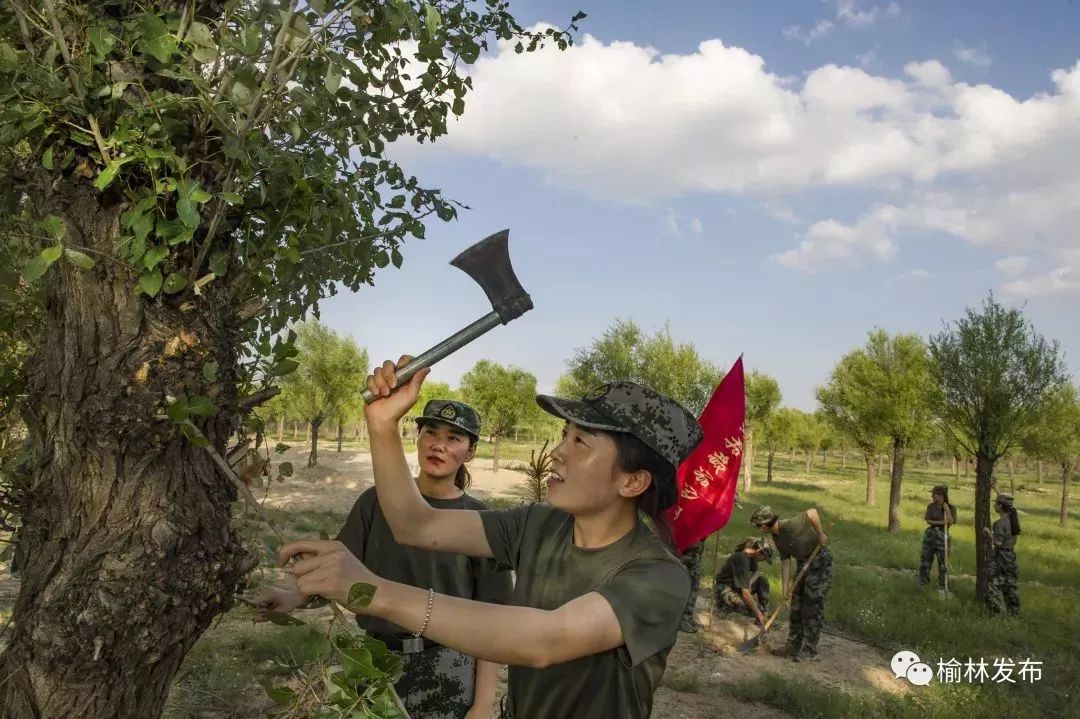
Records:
x=940, y=515
x=740, y=586
x=799, y=538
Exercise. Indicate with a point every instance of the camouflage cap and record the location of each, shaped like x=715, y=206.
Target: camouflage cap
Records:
x=1005, y=500
x=454, y=413
x=664, y=425
x=762, y=515
x=939, y=489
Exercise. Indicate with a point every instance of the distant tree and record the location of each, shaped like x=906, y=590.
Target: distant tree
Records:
x=624, y=352
x=809, y=432
x=1054, y=435
x=993, y=373
x=330, y=375
x=502, y=396
x=778, y=432
x=762, y=398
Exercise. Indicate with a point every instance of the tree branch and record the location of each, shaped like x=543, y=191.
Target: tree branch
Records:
x=256, y=398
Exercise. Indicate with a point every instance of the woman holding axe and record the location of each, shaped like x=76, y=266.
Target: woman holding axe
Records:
x=598, y=595
x=797, y=538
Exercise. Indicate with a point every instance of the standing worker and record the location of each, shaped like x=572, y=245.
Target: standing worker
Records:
x=691, y=559
x=1004, y=576
x=438, y=682
x=796, y=538
x=940, y=515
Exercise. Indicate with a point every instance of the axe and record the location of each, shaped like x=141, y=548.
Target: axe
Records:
x=488, y=263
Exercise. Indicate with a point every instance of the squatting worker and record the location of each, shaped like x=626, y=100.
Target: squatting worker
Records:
x=437, y=682
x=796, y=539
x=739, y=585
x=598, y=596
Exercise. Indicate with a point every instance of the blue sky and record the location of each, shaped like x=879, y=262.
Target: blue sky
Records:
x=772, y=183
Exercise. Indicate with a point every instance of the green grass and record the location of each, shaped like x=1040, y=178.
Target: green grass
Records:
x=875, y=597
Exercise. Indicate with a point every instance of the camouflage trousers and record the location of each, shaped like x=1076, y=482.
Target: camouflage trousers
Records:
x=808, y=602
x=1004, y=581
x=437, y=683
x=730, y=599
x=691, y=559
x=933, y=547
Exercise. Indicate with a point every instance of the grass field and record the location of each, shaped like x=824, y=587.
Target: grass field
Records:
x=874, y=599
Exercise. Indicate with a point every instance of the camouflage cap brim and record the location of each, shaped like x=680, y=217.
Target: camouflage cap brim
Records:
x=577, y=412
x=421, y=421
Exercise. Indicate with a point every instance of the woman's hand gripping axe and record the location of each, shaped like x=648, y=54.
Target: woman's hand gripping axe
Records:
x=487, y=262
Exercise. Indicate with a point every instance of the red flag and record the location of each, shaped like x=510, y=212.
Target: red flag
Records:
x=707, y=480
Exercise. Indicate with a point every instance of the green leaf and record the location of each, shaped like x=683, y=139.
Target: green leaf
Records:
x=34, y=269
x=333, y=79
x=102, y=40
x=281, y=448
x=242, y=91
x=155, y=39
x=382, y=258
x=458, y=106
x=578, y=16
x=193, y=434
x=285, y=469
x=9, y=58
x=177, y=410
x=200, y=406
x=55, y=227
x=219, y=263
x=150, y=282
x=281, y=696
x=283, y=367
x=432, y=19
x=210, y=371
x=174, y=283
x=188, y=212
x=51, y=254
x=470, y=51
x=155, y=255
x=199, y=34
x=109, y=173
x=232, y=198
x=318, y=6
x=9, y=550
x=46, y=159
x=198, y=194
x=360, y=595
x=79, y=259
x=396, y=258
x=285, y=620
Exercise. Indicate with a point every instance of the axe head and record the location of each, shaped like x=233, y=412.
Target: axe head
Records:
x=488, y=262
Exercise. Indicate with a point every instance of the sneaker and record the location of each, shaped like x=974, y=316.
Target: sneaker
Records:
x=805, y=655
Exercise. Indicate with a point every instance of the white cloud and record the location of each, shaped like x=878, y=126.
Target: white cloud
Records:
x=971, y=55
x=677, y=225
x=848, y=12
x=917, y=275
x=695, y=226
x=869, y=57
x=1012, y=266
x=796, y=32
x=1056, y=282
x=967, y=161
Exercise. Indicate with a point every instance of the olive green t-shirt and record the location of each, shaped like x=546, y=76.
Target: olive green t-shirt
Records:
x=737, y=571
x=642, y=580
x=797, y=537
x=935, y=513
x=1003, y=534
x=368, y=536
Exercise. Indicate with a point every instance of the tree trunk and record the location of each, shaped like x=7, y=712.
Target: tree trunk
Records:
x=313, y=455
x=495, y=454
x=1039, y=476
x=843, y=459
x=356, y=433
x=809, y=460
x=748, y=457
x=871, y=480
x=768, y=473
x=129, y=552
x=984, y=550
x=956, y=469
x=894, y=484
x=1063, y=518
x=824, y=456
x=281, y=430
x=340, y=435
x=1012, y=476
x=879, y=465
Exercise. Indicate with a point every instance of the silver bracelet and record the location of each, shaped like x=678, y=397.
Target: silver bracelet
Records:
x=430, y=604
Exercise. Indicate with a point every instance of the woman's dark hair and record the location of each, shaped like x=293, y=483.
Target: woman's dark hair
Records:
x=463, y=479
x=633, y=455
x=1014, y=520
x=952, y=509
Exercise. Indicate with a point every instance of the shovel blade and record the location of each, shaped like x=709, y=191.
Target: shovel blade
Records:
x=750, y=644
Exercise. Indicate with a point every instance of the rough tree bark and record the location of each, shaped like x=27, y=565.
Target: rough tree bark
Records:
x=495, y=453
x=984, y=550
x=809, y=460
x=871, y=479
x=281, y=430
x=768, y=473
x=313, y=455
x=129, y=548
x=340, y=435
x=1039, y=476
x=894, y=484
x=748, y=457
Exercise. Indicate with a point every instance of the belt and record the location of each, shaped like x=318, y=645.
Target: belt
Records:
x=395, y=644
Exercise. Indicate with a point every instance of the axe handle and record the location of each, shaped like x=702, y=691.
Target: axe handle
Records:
x=444, y=349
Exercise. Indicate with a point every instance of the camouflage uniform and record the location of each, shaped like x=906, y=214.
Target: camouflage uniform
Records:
x=437, y=683
x=933, y=546
x=808, y=604
x=691, y=559
x=1004, y=576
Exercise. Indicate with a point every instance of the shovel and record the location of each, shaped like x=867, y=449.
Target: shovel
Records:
x=752, y=644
